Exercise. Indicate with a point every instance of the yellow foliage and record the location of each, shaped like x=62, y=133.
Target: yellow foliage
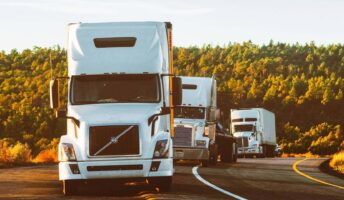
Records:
x=46, y=156
x=337, y=162
x=18, y=153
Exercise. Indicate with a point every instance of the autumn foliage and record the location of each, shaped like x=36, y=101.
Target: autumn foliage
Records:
x=337, y=162
x=302, y=84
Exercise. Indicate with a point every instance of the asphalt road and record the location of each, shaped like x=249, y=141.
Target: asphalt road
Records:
x=249, y=179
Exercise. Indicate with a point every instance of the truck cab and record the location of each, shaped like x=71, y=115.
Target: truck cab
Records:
x=193, y=127
x=120, y=94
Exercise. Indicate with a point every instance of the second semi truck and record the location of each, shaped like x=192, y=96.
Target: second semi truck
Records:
x=198, y=136
x=255, y=132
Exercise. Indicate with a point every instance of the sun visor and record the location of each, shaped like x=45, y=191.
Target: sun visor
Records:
x=129, y=47
x=196, y=91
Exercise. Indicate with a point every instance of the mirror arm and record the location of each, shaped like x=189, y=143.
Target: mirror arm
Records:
x=75, y=120
x=164, y=111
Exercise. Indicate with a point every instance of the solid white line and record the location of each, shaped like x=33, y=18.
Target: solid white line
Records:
x=195, y=173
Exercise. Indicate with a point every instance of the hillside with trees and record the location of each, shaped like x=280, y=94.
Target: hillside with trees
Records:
x=302, y=84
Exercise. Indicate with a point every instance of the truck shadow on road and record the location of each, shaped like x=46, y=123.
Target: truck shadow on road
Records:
x=115, y=189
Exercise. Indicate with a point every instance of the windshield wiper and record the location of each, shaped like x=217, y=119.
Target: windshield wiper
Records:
x=107, y=100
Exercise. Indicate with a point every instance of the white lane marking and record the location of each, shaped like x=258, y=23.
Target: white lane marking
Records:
x=195, y=173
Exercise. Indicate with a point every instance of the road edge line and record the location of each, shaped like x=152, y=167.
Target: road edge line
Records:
x=195, y=173
x=312, y=178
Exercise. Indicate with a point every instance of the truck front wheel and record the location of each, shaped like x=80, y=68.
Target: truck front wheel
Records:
x=163, y=183
x=235, y=152
x=227, y=154
x=204, y=163
x=213, y=156
x=70, y=187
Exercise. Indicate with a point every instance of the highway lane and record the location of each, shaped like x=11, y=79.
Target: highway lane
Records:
x=274, y=179
x=249, y=178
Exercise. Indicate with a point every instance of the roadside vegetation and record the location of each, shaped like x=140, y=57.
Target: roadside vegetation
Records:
x=337, y=162
x=16, y=153
x=302, y=84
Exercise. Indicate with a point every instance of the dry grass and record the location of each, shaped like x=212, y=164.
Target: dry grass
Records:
x=337, y=162
x=299, y=155
x=46, y=156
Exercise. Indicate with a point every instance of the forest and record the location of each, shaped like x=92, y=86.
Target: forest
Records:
x=302, y=84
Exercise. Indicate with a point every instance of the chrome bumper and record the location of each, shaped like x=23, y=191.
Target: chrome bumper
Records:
x=190, y=153
x=248, y=150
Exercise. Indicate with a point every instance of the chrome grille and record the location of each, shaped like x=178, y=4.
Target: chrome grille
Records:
x=242, y=141
x=102, y=143
x=182, y=136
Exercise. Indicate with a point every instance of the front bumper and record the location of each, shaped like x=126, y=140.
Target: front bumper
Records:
x=190, y=153
x=100, y=169
x=246, y=150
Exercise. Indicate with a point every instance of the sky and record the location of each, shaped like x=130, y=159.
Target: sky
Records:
x=28, y=23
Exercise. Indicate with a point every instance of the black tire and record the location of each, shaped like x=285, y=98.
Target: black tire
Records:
x=227, y=154
x=263, y=155
x=163, y=183
x=235, y=153
x=70, y=187
x=205, y=163
x=213, y=156
x=231, y=153
x=271, y=151
x=223, y=156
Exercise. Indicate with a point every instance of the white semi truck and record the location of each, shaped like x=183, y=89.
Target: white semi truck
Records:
x=120, y=97
x=255, y=132
x=198, y=136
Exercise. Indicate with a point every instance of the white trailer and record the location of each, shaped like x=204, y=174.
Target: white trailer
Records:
x=197, y=135
x=120, y=95
x=255, y=131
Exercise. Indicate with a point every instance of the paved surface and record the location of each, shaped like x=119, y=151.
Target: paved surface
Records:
x=249, y=179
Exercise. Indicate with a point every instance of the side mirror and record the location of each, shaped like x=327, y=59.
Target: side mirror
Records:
x=54, y=94
x=211, y=114
x=177, y=91
x=217, y=114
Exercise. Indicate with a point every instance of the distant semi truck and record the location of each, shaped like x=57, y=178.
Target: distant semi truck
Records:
x=255, y=132
x=198, y=136
x=121, y=92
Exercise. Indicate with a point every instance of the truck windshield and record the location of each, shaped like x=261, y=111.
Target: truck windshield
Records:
x=189, y=112
x=115, y=88
x=244, y=128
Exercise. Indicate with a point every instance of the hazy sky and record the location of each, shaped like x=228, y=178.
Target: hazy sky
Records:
x=28, y=23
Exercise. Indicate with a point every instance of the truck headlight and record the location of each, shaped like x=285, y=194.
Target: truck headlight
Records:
x=161, y=149
x=200, y=142
x=67, y=152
